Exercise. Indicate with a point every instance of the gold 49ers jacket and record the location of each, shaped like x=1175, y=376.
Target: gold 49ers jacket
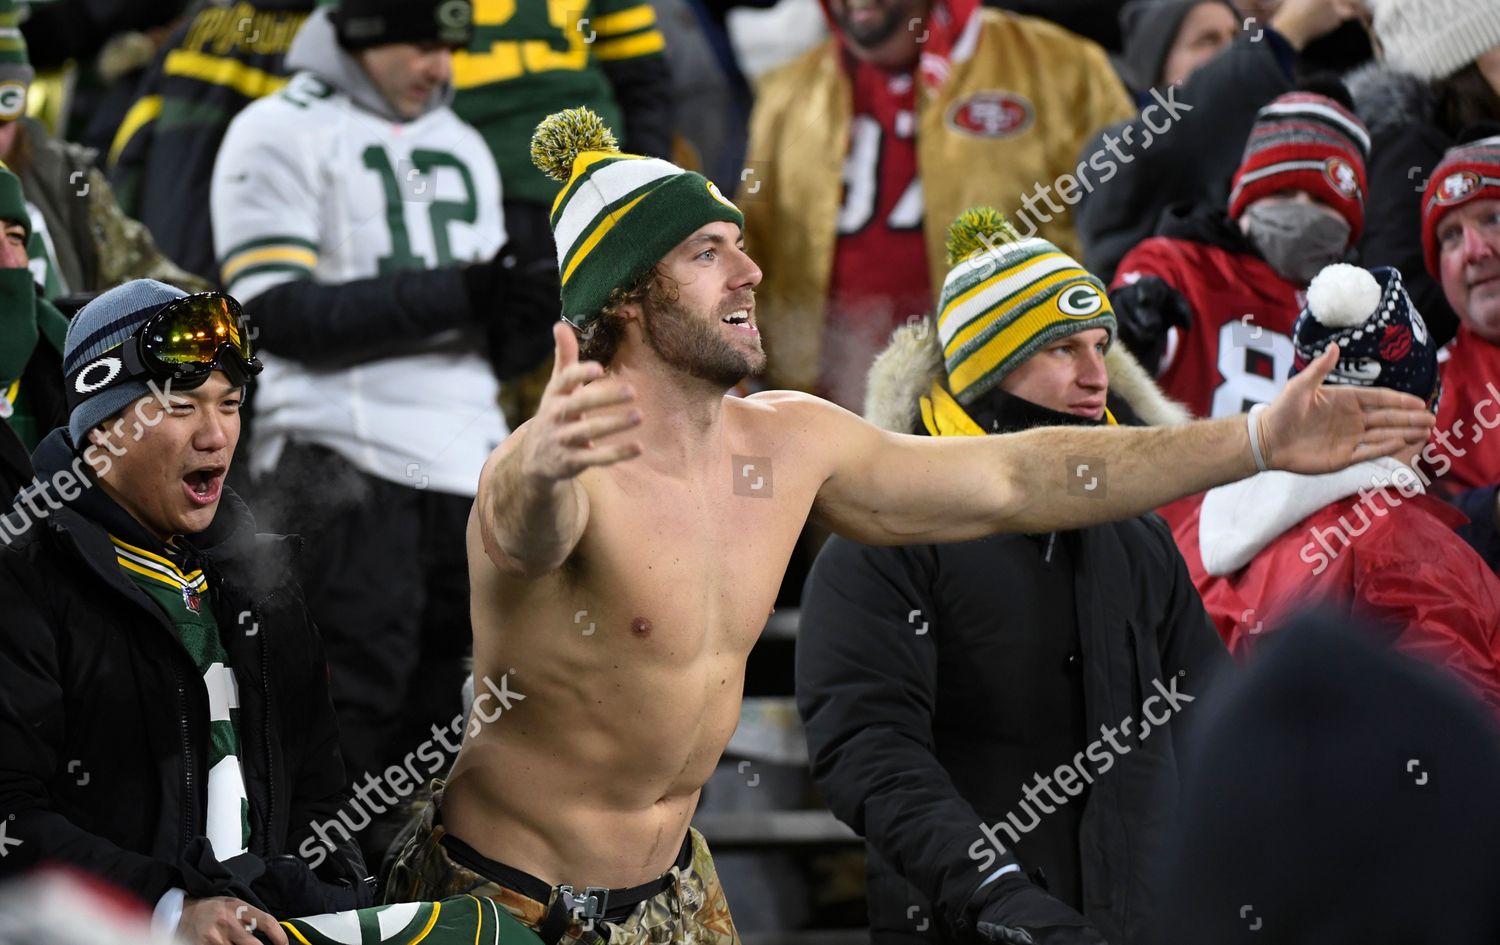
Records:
x=1022, y=98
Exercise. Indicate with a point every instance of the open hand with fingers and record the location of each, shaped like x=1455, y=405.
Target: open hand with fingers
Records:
x=1316, y=428
x=581, y=415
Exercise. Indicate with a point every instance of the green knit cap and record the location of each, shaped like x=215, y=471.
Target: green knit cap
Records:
x=1007, y=297
x=13, y=200
x=618, y=214
x=15, y=66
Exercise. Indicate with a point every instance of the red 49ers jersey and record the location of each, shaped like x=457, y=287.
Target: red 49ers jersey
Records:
x=880, y=276
x=1238, y=351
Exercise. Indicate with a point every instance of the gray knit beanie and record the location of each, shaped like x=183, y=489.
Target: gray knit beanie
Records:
x=1433, y=39
x=99, y=326
x=1148, y=29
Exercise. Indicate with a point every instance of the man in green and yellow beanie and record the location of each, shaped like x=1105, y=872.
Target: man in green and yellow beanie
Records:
x=618, y=216
x=1006, y=299
x=1022, y=340
x=627, y=543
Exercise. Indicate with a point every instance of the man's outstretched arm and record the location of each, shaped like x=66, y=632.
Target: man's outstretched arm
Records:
x=886, y=488
x=531, y=508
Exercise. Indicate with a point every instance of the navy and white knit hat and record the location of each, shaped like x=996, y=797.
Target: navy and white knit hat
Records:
x=1382, y=339
x=99, y=326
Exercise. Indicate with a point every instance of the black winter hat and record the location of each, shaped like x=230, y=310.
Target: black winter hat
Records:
x=361, y=24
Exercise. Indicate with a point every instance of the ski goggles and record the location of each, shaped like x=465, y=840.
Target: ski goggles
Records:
x=179, y=346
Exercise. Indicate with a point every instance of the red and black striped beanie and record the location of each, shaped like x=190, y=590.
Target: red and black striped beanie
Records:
x=1306, y=141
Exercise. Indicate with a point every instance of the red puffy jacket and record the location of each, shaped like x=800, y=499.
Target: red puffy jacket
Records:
x=1388, y=557
x=1238, y=351
x=1468, y=414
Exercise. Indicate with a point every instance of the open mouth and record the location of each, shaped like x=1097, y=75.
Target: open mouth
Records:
x=740, y=318
x=204, y=485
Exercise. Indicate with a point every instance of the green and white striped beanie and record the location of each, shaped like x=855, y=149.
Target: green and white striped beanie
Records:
x=618, y=214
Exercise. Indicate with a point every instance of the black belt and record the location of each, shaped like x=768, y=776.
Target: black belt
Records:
x=596, y=902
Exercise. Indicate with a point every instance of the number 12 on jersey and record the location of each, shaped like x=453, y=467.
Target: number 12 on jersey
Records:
x=416, y=185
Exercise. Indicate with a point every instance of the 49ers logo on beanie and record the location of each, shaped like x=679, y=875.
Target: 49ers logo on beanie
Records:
x=1306, y=141
x=1468, y=172
x=1343, y=177
x=1456, y=188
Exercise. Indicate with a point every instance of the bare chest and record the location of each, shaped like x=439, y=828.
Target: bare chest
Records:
x=681, y=567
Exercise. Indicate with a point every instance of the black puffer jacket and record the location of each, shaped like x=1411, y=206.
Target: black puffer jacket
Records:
x=103, y=715
x=937, y=681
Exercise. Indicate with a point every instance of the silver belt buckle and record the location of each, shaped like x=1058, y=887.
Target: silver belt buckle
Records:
x=590, y=906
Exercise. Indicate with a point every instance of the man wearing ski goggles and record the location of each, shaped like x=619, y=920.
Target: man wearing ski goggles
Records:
x=221, y=729
x=180, y=346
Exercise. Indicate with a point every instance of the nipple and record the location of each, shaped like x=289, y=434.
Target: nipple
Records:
x=641, y=627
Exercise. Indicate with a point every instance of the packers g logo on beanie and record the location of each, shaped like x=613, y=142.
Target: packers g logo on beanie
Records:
x=15, y=63
x=1006, y=298
x=12, y=100
x=618, y=214
x=1081, y=301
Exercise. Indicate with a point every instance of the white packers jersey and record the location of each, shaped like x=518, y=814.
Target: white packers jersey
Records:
x=309, y=185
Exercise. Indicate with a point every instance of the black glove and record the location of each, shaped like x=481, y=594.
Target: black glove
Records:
x=1145, y=310
x=517, y=304
x=289, y=887
x=1019, y=913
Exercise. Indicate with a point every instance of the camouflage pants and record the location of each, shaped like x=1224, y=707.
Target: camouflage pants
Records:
x=690, y=910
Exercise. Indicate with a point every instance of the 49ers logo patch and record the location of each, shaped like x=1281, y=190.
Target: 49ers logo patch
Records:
x=1340, y=174
x=991, y=115
x=1457, y=187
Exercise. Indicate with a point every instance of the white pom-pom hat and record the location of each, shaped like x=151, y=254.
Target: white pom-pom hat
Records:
x=1382, y=339
x=1343, y=296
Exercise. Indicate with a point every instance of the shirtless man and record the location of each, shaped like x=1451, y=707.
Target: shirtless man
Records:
x=627, y=544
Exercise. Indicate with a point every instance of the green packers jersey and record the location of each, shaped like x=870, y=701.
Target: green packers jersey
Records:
x=530, y=59
x=184, y=598
x=309, y=184
x=43, y=258
x=462, y=920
